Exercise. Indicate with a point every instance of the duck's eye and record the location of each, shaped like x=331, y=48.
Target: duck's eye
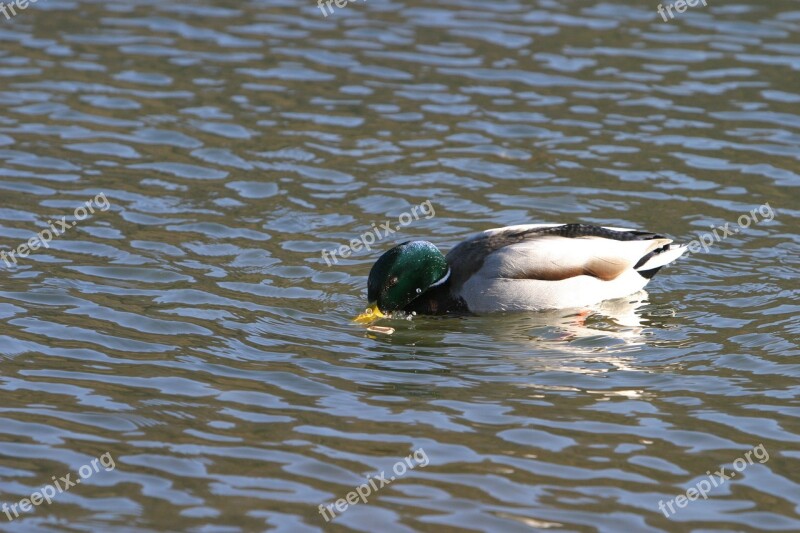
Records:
x=419, y=291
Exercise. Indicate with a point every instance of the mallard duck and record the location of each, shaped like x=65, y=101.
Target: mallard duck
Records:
x=526, y=267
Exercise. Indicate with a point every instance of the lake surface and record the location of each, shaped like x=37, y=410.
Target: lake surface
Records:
x=190, y=338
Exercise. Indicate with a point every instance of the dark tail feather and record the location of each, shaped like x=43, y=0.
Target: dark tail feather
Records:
x=648, y=274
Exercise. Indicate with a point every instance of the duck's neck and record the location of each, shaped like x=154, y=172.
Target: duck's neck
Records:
x=437, y=301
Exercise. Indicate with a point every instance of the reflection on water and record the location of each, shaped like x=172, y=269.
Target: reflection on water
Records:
x=195, y=333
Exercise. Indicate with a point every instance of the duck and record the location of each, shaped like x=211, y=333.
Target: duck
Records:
x=528, y=267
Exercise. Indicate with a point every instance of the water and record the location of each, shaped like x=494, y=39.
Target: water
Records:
x=193, y=335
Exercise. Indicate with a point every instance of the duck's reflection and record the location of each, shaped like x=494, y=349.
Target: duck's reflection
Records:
x=607, y=336
x=604, y=336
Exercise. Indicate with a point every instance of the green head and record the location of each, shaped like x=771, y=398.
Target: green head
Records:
x=403, y=273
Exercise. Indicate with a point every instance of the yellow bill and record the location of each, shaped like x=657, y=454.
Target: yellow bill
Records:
x=370, y=315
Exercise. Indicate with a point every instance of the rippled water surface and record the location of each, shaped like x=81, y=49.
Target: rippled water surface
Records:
x=193, y=333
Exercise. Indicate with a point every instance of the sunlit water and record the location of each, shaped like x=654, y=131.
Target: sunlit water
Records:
x=194, y=333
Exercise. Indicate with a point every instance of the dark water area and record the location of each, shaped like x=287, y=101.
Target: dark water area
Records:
x=188, y=336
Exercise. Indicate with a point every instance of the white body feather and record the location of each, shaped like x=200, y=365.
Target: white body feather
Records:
x=503, y=284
